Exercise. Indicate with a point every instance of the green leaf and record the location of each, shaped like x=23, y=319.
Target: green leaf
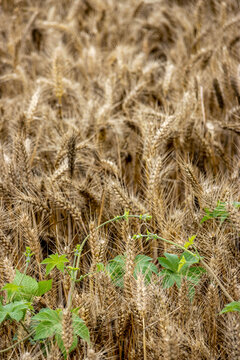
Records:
x=170, y=278
x=191, y=239
x=116, y=269
x=15, y=310
x=145, y=266
x=205, y=218
x=29, y=286
x=190, y=259
x=219, y=212
x=43, y=331
x=53, y=261
x=11, y=289
x=3, y=316
x=43, y=287
x=61, y=346
x=194, y=274
x=80, y=328
x=48, y=315
x=47, y=323
x=233, y=306
x=169, y=262
x=17, y=315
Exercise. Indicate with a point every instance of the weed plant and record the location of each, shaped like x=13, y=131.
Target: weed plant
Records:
x=119, y=183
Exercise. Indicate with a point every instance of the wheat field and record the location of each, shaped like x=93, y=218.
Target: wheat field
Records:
x=112, y=107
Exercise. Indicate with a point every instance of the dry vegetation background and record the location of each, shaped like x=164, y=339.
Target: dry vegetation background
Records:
x=108, y=106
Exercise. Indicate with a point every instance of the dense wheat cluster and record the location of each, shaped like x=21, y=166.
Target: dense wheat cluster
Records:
x=115, y=105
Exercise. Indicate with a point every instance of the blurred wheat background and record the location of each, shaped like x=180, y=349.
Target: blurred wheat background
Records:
x=114, y=105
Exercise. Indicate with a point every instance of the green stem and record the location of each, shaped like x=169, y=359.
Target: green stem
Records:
x=209, y=270
x=169, y=242
x=73, y=280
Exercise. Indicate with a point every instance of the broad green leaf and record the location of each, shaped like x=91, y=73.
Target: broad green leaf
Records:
x=80, y=328
x=170, y=278
x=48, y=315
x=29, y=286
x=190, y=259
x=43, y=331
x=194, y=272
x=17, y=315
x=47, y=323
x=43, y=287
x=145, y=266
x=3, y=315
x=116, y=269
x=233, y=306
x=169, y=262
x=15, y=310
x=55, y=260
x=61, y=346
x=120, y=259
x=11, y=289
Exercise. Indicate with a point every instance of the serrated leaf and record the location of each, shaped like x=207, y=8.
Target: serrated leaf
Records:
x=231, y=307
x=205, y=218
x=170, y=278
x=80, y=328
x=44, y=331
x=43, y=287
x=17, y=315
x=218, y=212
x=48, y=315
x=145, y=266
x=29, y=286
x=190, y=259
x=47, y=323
x=169, y=262
x=14, y=310
x=193, y=274
x=116, y=269
x=53, y=261
x=11, y=288
x=61, y=345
